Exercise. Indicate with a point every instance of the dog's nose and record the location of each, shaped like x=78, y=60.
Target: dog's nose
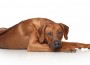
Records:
x=56, y=44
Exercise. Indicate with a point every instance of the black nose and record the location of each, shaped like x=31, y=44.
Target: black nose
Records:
x=56, y=44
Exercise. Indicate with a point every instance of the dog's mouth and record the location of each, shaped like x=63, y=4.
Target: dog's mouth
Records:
x=55, y=49
x=53, y=46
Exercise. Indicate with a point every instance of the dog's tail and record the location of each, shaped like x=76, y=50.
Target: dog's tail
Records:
x=2, y=30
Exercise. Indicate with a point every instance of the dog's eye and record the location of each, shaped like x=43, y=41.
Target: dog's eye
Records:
x=59, y=33
x=50, y=34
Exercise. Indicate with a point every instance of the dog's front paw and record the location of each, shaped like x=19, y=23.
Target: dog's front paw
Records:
x=71, y=51
x=68, y=50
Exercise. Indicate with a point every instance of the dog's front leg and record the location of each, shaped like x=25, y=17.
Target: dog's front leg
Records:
x=71, y=46
x=35, y=46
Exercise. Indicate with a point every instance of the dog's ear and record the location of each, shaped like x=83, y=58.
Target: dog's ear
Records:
x=65, y=30
x=41, y=33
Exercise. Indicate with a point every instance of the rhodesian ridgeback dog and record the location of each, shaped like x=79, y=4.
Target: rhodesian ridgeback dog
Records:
x=38, y=35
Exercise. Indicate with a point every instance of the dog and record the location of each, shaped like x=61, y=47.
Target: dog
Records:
x=38, y=35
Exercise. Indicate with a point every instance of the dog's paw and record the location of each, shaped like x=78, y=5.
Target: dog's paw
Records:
x=71, y=51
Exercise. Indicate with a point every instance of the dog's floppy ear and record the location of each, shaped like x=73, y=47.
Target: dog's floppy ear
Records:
x=41, y=33
x=65, y=30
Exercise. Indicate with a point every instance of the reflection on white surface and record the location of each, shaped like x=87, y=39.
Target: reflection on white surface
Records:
x=22, y=57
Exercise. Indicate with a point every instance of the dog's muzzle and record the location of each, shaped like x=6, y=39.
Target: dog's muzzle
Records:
x=56, y=44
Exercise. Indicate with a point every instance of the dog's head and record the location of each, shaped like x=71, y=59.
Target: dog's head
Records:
x=53, y=34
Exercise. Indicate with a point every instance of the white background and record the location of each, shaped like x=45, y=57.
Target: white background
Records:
x=74, y=13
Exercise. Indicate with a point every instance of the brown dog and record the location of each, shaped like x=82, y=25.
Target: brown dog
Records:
x=38, y=34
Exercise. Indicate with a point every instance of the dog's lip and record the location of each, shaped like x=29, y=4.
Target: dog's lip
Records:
x=51, y=46
x=54, y=49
